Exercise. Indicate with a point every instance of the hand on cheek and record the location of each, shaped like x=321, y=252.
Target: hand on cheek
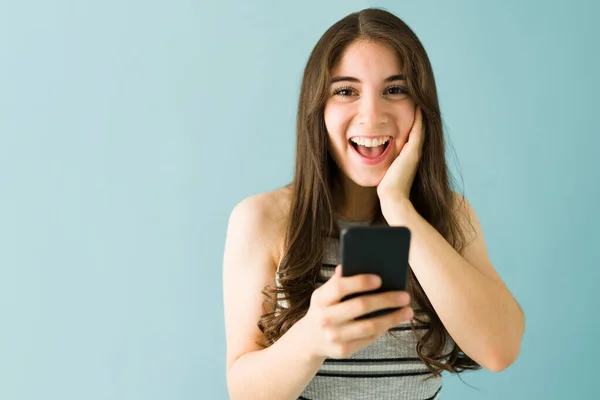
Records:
x=399, y=177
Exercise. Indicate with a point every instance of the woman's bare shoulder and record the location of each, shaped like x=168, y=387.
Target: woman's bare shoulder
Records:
x=268, y=208
x=266, y=215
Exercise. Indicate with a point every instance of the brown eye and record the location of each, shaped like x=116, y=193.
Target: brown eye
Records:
x=344, y=91
x=396, y=90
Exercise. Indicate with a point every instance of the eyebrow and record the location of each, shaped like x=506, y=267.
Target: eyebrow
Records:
x=353, y=79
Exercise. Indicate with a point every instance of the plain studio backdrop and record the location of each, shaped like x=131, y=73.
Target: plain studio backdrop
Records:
x=129, y=130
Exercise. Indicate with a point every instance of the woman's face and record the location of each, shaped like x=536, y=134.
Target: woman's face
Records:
x=368, y=113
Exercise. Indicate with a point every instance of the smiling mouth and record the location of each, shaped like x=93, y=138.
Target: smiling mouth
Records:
x=370, y=148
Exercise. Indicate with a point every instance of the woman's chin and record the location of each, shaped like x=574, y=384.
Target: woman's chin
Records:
x=371, y=179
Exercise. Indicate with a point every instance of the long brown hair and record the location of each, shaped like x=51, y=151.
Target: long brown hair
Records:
x=311, y=217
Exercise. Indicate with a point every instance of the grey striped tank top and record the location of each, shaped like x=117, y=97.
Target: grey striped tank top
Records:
x=387, y=369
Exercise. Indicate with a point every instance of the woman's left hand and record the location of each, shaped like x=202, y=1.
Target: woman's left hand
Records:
x=395, y=185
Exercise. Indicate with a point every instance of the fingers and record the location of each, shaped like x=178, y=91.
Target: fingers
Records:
x=419, y=131
x=361, y=305
x=414, y=143
x=346, y=349
x=417, y=128
x=418, y=122
x=370, y=327
x=339, y=287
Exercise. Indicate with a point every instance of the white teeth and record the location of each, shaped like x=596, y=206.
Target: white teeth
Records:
x=368, y=142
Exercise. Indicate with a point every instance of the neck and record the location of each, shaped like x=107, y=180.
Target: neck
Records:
x=354, y=202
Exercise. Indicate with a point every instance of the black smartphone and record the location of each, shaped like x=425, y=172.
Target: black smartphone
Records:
x=380, y=250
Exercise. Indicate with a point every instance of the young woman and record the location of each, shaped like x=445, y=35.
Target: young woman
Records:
x=370, y=149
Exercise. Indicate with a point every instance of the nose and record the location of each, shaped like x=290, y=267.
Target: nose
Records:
x=371, y=111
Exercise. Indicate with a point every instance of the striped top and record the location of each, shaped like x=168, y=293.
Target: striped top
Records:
x=388, y=368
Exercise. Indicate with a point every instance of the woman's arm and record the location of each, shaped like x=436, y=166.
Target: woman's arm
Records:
x=283, y=370
x=467, y=293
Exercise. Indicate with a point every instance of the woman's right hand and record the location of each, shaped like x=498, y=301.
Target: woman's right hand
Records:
x=332, y=330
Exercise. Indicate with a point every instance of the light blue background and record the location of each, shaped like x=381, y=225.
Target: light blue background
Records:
x=129, y=130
